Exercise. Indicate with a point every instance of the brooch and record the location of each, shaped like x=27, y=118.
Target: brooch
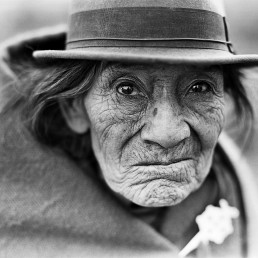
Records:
x=215, y=224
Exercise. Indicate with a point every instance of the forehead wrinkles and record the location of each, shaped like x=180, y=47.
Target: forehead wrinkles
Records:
x=160, y=74
x=140, y=71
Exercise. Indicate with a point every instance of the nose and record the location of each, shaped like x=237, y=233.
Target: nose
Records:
x=165, y=127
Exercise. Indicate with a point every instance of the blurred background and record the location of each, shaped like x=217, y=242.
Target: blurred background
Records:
x=18, y=16
x=23, y=15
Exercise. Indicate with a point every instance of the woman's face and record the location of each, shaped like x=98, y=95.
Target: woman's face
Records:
x=154, y=129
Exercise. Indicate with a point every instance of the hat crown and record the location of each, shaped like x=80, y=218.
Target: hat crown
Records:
x=216, y=6
x=147, y=23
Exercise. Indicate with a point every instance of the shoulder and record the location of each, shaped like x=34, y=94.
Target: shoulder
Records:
x=234, y=154
x=248, y=184
x=238, y=161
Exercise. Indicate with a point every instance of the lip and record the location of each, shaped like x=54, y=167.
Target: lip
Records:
x=176, y=171
x=161, y=163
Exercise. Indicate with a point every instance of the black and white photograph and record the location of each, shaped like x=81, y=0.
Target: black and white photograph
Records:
x=128, y=129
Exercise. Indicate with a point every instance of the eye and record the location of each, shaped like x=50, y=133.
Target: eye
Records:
x=128, y=88
x=200, y=87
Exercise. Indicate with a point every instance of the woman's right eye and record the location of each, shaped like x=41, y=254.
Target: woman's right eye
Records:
x=128, y=89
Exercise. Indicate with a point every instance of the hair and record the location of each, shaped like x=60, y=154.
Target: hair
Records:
x=41, y=88
x=38, y=92
x=240, y=124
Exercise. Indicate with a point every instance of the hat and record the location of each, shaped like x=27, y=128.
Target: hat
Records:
x=168, y=31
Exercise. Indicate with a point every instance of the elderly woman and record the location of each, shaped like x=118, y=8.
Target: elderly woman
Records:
x=109, y=146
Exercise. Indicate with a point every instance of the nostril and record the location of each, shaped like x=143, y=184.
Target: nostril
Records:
x=153, y=143
x=148, y=142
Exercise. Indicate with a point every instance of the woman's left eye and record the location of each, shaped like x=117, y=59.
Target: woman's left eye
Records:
x=128, y=89
x=200, y=87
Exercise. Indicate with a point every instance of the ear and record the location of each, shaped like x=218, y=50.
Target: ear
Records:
x=75, y=116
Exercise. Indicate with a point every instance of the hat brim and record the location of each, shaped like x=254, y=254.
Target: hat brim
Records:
x=150, y=55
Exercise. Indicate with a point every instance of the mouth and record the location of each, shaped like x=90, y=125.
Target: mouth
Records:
x=161, y=163
x=177, y=170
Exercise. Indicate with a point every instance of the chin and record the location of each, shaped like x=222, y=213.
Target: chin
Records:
x=161, y=194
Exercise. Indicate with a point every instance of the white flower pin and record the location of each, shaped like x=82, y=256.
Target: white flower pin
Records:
x=215, y=224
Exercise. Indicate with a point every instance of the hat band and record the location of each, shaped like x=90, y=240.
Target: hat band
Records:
x=147, y=27
x=178, y=43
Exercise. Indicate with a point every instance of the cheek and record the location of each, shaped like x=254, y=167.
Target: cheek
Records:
x=207, y=121
x=113, y=125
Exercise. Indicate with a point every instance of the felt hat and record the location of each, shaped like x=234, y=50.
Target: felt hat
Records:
x=168, y=31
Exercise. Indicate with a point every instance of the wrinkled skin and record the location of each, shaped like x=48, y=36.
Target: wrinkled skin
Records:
x=154, y=129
